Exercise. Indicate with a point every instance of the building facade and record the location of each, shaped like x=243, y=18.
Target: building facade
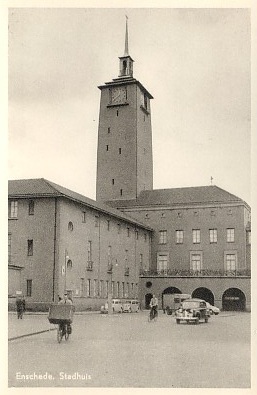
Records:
x=199, y=232
x=60, y=240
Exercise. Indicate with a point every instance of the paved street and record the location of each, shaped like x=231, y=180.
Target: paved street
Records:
x=124, y=350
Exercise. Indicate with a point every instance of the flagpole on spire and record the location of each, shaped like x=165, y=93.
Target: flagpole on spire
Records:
x=126, y=51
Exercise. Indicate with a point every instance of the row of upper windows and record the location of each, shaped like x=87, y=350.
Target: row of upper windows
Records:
x=13, y=213
x=30, y=252
x=13, y=208
x=196, y=262
x=196, y=236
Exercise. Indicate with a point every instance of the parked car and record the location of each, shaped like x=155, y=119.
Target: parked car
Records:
x=213, y=309
x=192, y=310
x=131, y=306
x=117, y=307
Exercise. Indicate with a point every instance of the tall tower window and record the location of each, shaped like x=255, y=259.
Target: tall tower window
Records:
x=121, y=192
x=119, y=151
x=30, y=247
x=107, y=148
x=109, y=130
x=113, y=181
x=117, y=113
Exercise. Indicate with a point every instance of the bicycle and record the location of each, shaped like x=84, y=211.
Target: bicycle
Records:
x=63, y=330
x=153, y=315
x=62, y=315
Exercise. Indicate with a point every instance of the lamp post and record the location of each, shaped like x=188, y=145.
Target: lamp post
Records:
x=65, y=268
x=110, y=293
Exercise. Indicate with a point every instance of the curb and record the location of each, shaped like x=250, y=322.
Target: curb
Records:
x=31, y=334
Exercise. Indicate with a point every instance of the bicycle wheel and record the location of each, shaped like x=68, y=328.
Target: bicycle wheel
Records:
x=66, y=335
x=59, y=334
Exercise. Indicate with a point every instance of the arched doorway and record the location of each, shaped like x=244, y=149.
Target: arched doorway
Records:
x=148, y=298
x=165, y=296
x=203, y=293
x=233, y=299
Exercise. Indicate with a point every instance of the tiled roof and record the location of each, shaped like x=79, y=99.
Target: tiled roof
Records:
x=39, y=187
x=179, y=196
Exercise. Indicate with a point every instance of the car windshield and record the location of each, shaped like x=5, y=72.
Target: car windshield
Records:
x=192, y=305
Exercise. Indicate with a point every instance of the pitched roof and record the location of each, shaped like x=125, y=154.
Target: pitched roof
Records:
x=39, y=187
x=179, y=196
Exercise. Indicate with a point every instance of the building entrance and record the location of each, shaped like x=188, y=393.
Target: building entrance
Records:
x=233, y=299
x=203, y=293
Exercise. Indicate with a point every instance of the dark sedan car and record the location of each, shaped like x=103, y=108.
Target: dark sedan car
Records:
x=193, y=310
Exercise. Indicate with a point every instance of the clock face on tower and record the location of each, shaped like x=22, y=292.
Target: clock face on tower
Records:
x=119, y=95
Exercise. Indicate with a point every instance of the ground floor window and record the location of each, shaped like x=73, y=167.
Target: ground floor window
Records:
x=88, y=287
x=29, y=288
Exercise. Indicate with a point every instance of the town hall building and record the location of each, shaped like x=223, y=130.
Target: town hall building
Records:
x=133, y=240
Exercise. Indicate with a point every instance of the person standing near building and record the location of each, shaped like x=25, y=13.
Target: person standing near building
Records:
x=154, y=307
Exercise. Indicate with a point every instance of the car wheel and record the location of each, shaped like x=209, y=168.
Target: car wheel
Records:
x=178, y=321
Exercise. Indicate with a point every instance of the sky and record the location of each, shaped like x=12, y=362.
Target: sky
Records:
x=196, y=63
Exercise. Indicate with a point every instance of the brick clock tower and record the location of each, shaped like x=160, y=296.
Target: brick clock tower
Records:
x=124, y=154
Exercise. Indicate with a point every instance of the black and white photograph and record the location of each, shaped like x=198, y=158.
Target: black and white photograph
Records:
x=130, y=196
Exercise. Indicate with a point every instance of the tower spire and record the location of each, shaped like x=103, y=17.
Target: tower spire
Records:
x=126, y=51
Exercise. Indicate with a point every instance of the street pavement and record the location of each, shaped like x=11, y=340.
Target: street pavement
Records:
x=124, y=350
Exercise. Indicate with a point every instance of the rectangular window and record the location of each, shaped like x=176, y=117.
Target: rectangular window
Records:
x=29, y=288
x=84, y=216
x=141, y=261
x=119, y=151
x=118, y=289
x=109, y=256
x=107, y=288
x=136, y=234
x=179, y=236
x=196, y=236
x=89, y=251
x=132, y=289
x=123, y=290
x=30, y=247
x=95, y=288
x=112, y=181
x=128, y=290
x=230, y=262
x=107, y=147
x=109, y=130
x=101, y=289
x=14, y=209
x=196, y=264
x=82, y=287
x=163, y=236
x=213, y=236
x=31, y=207
x=9, y=248
x=162, y=263
x=108, y=224
x=88, y=287
x=230, y=235
x=113, y=288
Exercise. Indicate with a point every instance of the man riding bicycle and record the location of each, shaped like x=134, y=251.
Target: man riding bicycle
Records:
x=65, y=300
x=154, y=307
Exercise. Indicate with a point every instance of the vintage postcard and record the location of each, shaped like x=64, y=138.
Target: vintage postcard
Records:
x=129, y=160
